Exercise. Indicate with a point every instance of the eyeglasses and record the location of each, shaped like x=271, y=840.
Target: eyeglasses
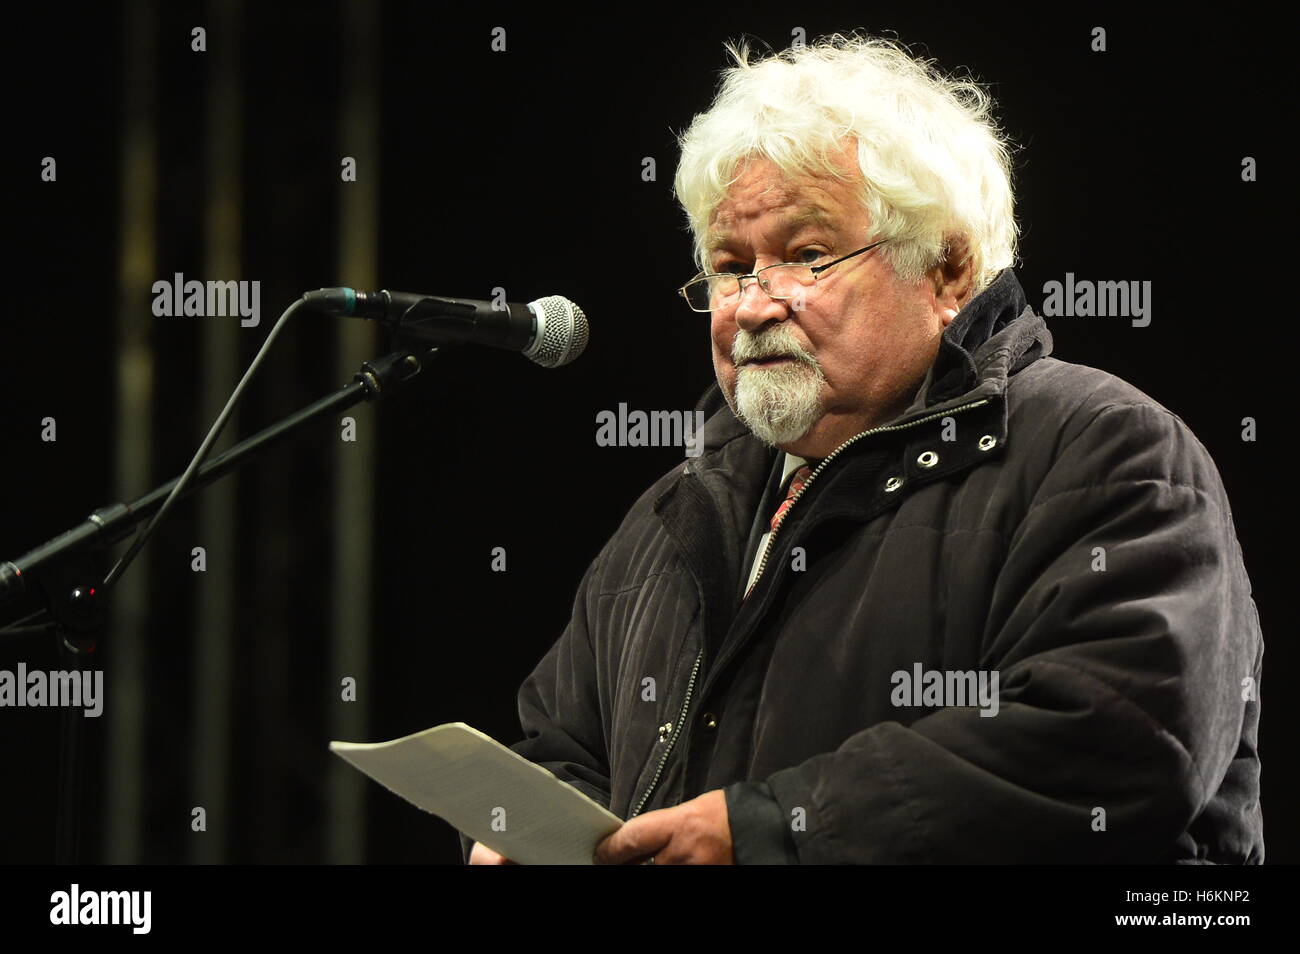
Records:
x=782, y=282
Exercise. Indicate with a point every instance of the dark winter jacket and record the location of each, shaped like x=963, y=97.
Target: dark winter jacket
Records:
x=1026, y=516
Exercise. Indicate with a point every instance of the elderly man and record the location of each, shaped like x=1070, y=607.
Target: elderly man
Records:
x=929, y=594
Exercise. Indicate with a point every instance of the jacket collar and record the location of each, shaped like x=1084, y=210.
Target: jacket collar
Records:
x=992, y=338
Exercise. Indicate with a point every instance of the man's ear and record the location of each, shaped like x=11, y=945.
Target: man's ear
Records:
x=953, y=278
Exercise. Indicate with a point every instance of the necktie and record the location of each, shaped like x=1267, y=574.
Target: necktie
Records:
x=796, y=484
x=797, y=481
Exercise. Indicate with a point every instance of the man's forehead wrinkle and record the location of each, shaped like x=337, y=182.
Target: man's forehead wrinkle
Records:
x=808, y=213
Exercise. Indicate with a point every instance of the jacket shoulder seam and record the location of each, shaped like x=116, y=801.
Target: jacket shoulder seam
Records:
x=1114, y=405
x=1111, y=485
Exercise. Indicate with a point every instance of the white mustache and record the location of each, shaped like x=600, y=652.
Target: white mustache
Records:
x=774, y=344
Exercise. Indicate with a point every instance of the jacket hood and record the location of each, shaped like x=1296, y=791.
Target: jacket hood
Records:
x=995, y=336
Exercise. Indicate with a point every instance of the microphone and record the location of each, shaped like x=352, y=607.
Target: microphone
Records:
x=551, y=331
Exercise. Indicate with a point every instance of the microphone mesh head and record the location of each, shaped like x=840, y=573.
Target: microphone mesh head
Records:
x=562, y=332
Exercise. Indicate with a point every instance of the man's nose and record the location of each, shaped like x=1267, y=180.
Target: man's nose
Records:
x=756, y=308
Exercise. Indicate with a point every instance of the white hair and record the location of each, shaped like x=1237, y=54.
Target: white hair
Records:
x=935, y=165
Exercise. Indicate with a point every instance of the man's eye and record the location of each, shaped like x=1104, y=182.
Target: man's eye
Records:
x=732, y=268
x=810, y=255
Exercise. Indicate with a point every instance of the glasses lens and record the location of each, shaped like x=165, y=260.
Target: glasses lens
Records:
x=705, y=294
x=779, y=281
x=786, y=281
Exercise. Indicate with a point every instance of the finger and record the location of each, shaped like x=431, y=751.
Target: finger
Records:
x=481, y=854
x=636, y=841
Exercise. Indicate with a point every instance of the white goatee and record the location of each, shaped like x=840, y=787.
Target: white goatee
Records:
x=779, y=404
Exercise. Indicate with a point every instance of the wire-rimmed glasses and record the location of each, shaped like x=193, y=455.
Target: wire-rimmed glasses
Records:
x=782, y=281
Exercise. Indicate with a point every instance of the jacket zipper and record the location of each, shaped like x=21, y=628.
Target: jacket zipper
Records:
x=762, y=566
x=681, y=720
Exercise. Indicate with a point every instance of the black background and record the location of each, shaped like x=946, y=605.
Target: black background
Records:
x=522, y=170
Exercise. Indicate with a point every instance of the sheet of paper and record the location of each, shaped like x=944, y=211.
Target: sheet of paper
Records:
x=492, y=794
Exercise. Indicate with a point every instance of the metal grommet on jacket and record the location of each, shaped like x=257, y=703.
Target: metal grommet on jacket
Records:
x=927, y=459
x=709, y=720
x=665, y=731
x=892, y=484
x=988, y=442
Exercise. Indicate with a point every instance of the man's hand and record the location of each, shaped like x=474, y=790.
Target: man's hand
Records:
x=481, y=854
x=692, y=833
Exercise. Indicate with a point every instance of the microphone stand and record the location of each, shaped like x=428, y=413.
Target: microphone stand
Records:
x=65, y=573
